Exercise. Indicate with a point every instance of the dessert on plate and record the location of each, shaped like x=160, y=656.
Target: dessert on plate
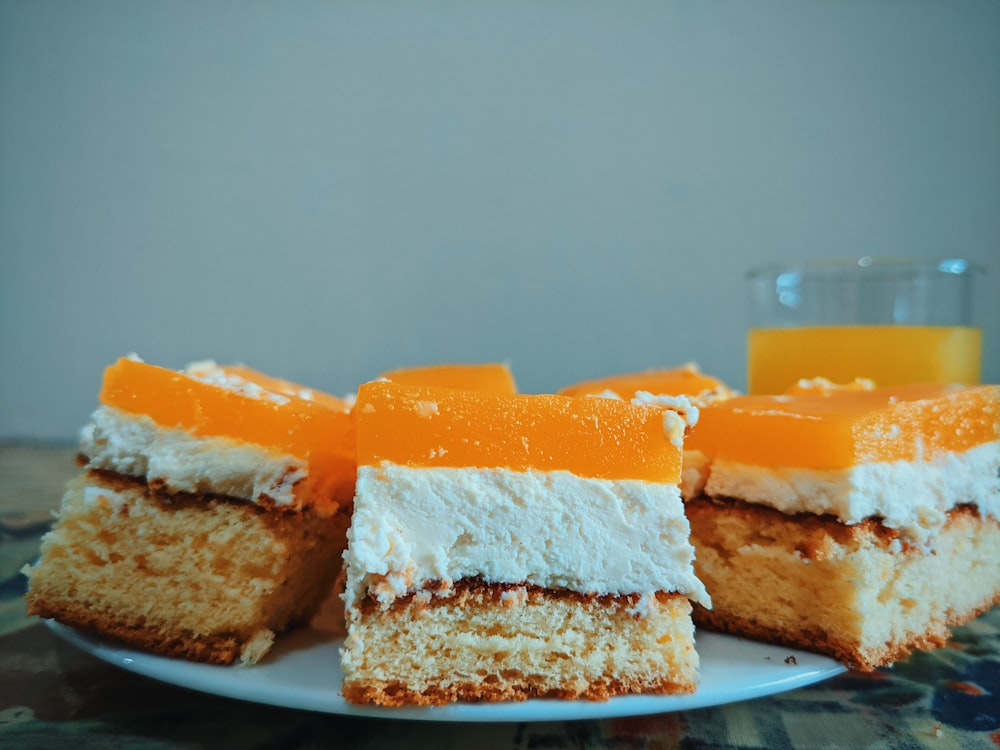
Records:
x=858, y=522
x=211, y=513
x=510, y=546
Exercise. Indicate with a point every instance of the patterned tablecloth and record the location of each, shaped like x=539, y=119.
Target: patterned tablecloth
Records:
x=53, y=695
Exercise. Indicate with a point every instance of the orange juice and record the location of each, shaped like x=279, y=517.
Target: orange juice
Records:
x=888, y=354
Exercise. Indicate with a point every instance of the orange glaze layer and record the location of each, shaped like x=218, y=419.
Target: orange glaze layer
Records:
x=320, y=431
x=440, y=427
x=490, y=377
x=838, y=429
x=675, y=381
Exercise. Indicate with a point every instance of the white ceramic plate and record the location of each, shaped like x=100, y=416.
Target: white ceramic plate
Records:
x=303, y=672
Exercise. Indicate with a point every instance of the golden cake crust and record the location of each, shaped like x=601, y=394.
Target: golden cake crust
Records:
x=218, y=648
x=473, y=590
x=395, y=693
x=808, y=534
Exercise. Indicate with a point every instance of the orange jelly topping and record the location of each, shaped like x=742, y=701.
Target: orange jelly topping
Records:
x=318, y=430
x=489, y=377
x=440, y=427
x=836, y=429
x=675, y=381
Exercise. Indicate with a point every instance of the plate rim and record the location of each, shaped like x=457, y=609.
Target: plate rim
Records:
x=786, y=669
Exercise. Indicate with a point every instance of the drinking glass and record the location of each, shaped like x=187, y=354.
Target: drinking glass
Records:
x=893, y=321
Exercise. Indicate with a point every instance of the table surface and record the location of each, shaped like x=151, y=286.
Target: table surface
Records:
x=53, y=695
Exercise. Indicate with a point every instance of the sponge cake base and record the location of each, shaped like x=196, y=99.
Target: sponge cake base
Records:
x=206, y=578
x=485, y=642
x=854, y=592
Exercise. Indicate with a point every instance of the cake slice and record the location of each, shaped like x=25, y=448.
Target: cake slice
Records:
x=211, y=515
x=513, y=546
x=687, y=380
x=860, y=523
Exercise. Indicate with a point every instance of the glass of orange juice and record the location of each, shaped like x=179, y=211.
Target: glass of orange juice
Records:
x=891, y=321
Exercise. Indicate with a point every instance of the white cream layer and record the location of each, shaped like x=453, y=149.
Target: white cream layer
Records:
x=412, y=526
x=913, y=497
x=136, y=446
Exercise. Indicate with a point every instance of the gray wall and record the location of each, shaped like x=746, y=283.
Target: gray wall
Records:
x=324, y=190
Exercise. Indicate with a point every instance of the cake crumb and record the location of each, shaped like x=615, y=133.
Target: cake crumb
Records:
x=516, y=597
x=422, y=599
x=791, y=660
x=640, y=609
x=426, y=409
x=258, y=645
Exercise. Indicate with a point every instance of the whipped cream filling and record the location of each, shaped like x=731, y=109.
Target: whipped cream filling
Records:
x=414, y=526
x=137, y=446
x=913, y=497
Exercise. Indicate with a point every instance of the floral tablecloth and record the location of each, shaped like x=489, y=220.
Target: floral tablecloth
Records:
x=53, y=695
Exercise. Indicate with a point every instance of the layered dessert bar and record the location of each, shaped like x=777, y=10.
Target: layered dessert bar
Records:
x=211, y=514
x=861, y=523
x=511, y=546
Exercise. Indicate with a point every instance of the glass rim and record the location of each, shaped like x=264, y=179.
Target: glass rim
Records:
x=867, y=265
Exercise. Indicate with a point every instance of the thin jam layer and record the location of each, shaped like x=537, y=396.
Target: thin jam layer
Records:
x=590, y=437
x=236, y=403
x=676, y=381
x=836, y=429
x=489, y=378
